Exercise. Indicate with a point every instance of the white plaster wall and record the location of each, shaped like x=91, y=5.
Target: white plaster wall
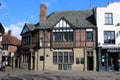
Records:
x=113, y=8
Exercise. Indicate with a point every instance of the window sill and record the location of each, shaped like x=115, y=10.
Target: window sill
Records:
x=89, y=41
x=108, y=24
x=109, y=44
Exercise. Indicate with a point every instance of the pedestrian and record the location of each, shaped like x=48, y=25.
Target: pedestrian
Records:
x=3, y=66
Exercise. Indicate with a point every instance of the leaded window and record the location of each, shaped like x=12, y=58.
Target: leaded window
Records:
x=65, y=57
x=64, y=60
x=54, y=57
x=60, y=57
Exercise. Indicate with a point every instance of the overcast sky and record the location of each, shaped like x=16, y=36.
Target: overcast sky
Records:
x=14, y=13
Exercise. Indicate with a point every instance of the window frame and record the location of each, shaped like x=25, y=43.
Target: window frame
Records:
x=88, y=36
x=61, y=36
x=108, y=19
x=107, y=35
x=65, y=63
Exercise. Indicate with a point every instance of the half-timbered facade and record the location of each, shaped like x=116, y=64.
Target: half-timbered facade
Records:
x=63, y=40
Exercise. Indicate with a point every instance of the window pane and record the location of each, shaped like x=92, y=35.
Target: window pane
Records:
x=54, y=57
x=106, y=15
x=110, y=15
x=59, y=66
x=69, y=66
x=65, y=66
x=70, y=36
x=89, y=35
x=82, y=60
x=71, y=57
x=65, y=57
x=60, y=57
x=77, y=60
x=65, y=36
x=109, y=37
x=108, y=18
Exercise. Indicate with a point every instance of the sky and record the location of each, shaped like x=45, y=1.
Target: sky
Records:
x=15, y=13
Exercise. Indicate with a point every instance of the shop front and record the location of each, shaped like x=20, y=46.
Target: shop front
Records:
x=109, y=59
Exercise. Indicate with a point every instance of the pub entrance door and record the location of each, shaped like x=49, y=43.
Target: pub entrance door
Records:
x=90, y=63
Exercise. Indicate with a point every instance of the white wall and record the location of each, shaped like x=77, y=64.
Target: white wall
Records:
x=113, y=8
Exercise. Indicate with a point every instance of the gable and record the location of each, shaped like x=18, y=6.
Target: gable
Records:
x=62, y=26
x=62, y=23
x=25, y=29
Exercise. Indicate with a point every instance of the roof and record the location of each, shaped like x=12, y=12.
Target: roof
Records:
x=10, y=40
x=30, y=26
x=77, y=18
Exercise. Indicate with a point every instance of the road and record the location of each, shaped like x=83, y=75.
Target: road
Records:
x=22, y=74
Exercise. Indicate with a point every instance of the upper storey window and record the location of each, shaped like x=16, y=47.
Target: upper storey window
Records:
x=108, y=18
x=109, y=37
x=89, y=34
x=62, y=31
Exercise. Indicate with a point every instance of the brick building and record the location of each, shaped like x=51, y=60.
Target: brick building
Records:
x=63, y=40
x=11, y=49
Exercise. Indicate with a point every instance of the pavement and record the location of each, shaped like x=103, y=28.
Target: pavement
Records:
x=23, y=74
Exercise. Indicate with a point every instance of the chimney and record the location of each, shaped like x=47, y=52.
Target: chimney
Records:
x=42, y=13
x=9, y=32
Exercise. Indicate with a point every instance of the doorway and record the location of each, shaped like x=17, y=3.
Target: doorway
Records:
x=112, y=61
x=90, y=63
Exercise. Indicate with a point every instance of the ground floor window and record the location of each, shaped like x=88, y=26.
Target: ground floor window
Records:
x=80, y=60
x=109, y=59
x=64, y=66
x=64, y=60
